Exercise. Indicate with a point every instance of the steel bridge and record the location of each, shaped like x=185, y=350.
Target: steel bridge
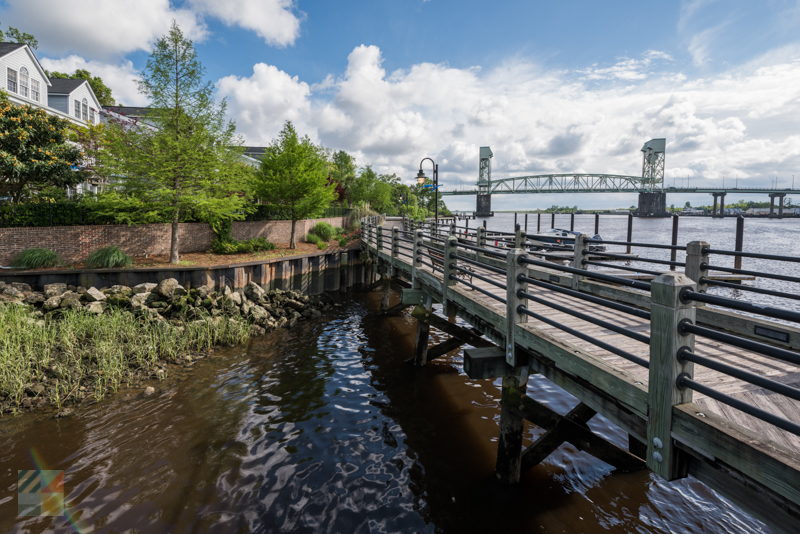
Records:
x=649, y=186
x=598, y=183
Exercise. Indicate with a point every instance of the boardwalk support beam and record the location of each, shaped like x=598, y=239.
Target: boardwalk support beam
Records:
x=571, y=428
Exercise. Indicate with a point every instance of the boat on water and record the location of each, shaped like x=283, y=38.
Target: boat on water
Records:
x=558, y=238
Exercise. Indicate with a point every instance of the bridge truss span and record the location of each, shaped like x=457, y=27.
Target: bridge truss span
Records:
x=565, y=183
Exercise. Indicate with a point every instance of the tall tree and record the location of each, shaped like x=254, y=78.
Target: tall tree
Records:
x=190, y=161
x=343, y=172
x=294, y=175
x=101, y=90
x=34, y=152
x=18, y=36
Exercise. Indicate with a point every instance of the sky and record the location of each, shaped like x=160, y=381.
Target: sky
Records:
x=552, y=87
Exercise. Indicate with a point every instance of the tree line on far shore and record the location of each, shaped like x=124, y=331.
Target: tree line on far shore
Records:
x=185, y=161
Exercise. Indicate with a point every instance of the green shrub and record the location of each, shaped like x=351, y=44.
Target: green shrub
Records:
x=324, y=230
x=36, y=258
x=313, y=238
x=232, y=246
x=322, y=245
x=108, y=258
x=343, y=241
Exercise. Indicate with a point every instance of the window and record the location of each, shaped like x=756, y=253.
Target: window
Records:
x=35, y=90
x=24, y=82
x=85, y=110
x=12, y=80
x=91, y=115
x=78, y=109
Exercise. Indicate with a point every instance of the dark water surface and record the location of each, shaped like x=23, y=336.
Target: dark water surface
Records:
x=326, y=429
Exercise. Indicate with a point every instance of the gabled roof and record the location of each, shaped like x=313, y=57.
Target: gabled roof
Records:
x=64, y=86
x=7, y=48
x=129, y=111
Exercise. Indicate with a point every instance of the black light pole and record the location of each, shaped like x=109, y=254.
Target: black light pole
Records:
x=421, y=179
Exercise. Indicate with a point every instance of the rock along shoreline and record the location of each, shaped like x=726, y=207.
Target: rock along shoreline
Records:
x=149, y=326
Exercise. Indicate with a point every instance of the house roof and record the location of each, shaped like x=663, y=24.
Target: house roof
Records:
x=7, y=48
x=129, y=111
x=256, y=152
x=64, y=86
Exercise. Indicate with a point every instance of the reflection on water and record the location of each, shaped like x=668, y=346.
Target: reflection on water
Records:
x=326, y=429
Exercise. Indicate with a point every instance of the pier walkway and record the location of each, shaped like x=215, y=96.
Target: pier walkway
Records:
x=704, y=385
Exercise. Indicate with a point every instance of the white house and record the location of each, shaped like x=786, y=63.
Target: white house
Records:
x=74, y=97
x=26, y=82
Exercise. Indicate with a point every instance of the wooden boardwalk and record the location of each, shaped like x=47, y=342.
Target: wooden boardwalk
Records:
x=746, y=458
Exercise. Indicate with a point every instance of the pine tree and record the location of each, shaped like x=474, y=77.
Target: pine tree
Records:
x=189, y=163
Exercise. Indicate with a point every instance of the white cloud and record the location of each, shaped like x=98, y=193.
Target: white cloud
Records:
x=121, y=78
x=99, y=28
x=273, y=20
x=740, y=123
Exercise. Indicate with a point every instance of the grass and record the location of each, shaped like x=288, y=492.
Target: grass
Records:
x=108, y=258
x=100, y=352
x=36, y=258
x=324, y=230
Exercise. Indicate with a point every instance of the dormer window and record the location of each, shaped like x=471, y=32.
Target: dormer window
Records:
x=85, y=110
x=11, y=80
x=35, y=94
x=77, y=105
x=24, y=82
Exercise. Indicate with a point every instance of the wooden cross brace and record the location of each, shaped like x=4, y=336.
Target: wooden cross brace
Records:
x=571, y=428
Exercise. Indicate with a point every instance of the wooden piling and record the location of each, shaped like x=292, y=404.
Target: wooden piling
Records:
x=538, y=222
x=674, y=253
x=423, y=333
x=630, y=232
x=553, y=220
x=737, y=260
x=572, y=222
x=596, y=223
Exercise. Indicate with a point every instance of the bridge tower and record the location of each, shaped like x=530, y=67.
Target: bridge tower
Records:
x=483, y=207
x=653, y=199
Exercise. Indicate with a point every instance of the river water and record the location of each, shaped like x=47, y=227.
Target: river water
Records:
x=761, y=235
x=325, y=428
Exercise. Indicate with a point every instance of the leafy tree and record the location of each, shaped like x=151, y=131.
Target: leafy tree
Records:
x=17, y=36
x=101, y=90
x=190, y=162
x=34, y=152
x=294, y=175
x=343, y=173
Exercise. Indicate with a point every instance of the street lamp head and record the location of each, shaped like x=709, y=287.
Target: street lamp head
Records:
x=421, y=178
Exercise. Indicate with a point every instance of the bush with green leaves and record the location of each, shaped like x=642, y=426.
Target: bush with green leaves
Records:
x=343, y=241
x=232, y=246
x=36, y=258
x=324, y=230
x=108, y=258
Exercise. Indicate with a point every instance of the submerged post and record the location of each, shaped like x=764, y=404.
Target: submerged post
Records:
x=737, y=260
x=666, y=340
x=538, y=222
x=553, y=220
x=630, y=232
x=572, y=222
x=673, y=255
x=596, y=223
x=509, y=447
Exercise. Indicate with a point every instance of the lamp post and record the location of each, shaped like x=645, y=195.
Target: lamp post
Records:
x=421, y=179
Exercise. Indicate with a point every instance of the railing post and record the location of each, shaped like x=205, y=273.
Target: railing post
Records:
x=666, y=339
x=379, y=239
x=415, y=256
x=395, y=247
x=480, y=242
x=509, y=446
x=519, y=237
x=581, y=248
x=697, y=263
x=513, y=269
x=448, y=270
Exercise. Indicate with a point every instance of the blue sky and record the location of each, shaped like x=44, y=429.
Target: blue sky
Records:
x=570, y=86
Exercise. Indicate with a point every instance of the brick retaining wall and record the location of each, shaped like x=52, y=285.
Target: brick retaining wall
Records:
x=74, y=243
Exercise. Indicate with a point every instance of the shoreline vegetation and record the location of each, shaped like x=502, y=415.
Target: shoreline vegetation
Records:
x=66, y=344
